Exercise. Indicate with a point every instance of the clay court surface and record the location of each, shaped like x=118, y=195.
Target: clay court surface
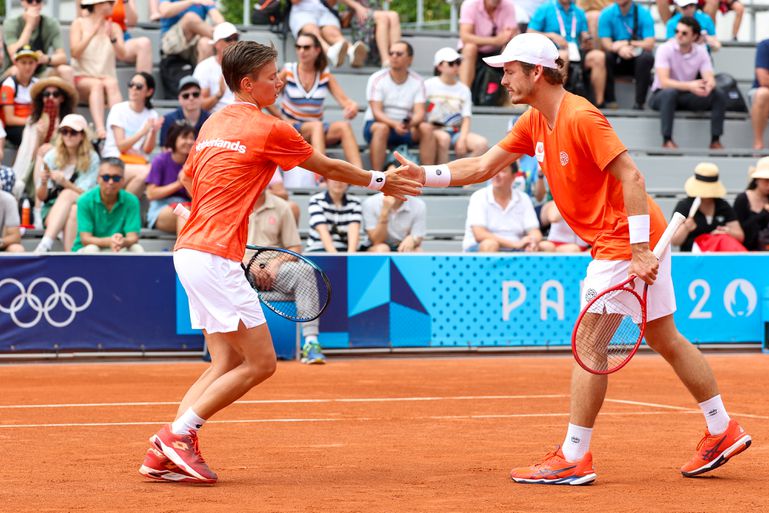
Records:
x=380, y=435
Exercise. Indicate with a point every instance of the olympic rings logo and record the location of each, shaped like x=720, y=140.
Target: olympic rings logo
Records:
x=45, y=307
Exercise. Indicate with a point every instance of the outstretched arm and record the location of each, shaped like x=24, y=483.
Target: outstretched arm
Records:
x=465, y=171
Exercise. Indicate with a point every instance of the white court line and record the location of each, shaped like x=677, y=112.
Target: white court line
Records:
x=347, y=419
x=680, y=408
x=293, y=401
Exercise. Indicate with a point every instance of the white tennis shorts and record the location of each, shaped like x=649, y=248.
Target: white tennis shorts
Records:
x=604, y=274
x=219, y=294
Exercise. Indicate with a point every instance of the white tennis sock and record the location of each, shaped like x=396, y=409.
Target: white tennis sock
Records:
x=576, y=443
x=715, y=415
x=188, y=423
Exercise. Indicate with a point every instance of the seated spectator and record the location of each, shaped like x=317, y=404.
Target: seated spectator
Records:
x=10, y=235
x=714, y=216
x=561, y=238
x=164, y=190
x=138, y=50
x=52, y=100
x=501, y=218
x=335, y=219
x=524, y=10
x=319, y=18
x=190, y=109
x=133, y=127
x=305, y=86
x=450, y=108
x=712, y=7
x=752, y=208
x=677, y=63
x=707, y=25
x=95, y=44
x=593, y=10
x=42, y=34
x=2, y=140
x=396, y=111
x=272, y=224
x=278, y=187
x=208, y=73
x=666, y=9
x=394, y=225
x=566, y=24
x=184, y=30
x=485, y=27
x=66, y=171
x=15, y=97
x=375, y=27
x=759, y=95
x=626, y=30
x=108, y=218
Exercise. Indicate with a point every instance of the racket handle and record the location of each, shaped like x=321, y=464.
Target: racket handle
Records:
x=181, y=211
x=664, y=242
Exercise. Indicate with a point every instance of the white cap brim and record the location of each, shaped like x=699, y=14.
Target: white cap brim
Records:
x=498, y=61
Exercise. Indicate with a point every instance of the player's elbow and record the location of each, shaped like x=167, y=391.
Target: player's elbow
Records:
x=635, y=179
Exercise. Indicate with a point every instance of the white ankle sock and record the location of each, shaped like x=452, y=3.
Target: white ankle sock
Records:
x=188, y=423
x=715, y=415
x=576, y=443
x=46, y=242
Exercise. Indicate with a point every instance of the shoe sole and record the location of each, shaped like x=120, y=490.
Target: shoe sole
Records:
x=179, y=461
x=732, y=451
x=342, y=55
x=166, y=475
x=359, y=56
x=572, y=480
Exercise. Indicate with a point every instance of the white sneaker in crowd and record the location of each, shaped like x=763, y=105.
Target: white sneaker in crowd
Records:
x=357, y=54
x=336, y=53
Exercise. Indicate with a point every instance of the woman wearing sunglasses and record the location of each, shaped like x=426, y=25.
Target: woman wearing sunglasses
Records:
x=65, y=172
x=306, y=85
x=132, y=128
x=95, y=44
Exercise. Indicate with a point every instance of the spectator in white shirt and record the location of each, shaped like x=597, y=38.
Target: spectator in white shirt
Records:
x=501, y=218
x=208, y=72
x=449, y=109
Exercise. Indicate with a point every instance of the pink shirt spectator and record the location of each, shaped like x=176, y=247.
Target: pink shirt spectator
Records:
x=683, y=66
x=474, y=13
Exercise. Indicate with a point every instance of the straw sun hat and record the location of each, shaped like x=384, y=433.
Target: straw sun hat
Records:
x=705, y=182
x=761, y=170
x=40, y=86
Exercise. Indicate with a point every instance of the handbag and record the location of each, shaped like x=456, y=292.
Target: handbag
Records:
x=735, y=102
x=717, y=243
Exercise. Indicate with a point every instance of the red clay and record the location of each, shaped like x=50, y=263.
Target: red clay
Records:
x=449, y=451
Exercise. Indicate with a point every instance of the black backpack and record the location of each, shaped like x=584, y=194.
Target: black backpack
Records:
x=172, y=69
x=486, y=89
x=735, y=102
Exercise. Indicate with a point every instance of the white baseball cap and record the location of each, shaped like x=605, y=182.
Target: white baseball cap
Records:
x=224, y=30
x=684, y=3
x=531, y=48
x=445, y=54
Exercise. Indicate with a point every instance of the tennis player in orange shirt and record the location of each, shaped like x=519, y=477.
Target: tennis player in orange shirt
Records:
x=602, y=196
x=232, y=162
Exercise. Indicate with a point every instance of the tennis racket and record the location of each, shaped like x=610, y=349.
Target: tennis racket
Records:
x=287, y=283
x=610, y=328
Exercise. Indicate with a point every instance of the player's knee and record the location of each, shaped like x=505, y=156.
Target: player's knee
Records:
x=761, y=97
x=469, y=50
x=380, y=130
x=260, y=369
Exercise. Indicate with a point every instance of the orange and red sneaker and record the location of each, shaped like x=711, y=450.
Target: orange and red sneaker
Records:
x=157, y=466
x=556, y=470
x=183, y=450
x=715, y=450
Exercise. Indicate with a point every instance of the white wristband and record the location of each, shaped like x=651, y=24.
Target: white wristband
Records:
x=377, y=180
x=638, y=226
x=437, y=176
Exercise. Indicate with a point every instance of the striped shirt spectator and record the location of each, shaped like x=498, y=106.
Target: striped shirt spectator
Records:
x=335, y=219
x=300, y=104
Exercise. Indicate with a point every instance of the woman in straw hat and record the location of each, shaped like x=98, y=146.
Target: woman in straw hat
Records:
x=714, y=214
x=752, y=208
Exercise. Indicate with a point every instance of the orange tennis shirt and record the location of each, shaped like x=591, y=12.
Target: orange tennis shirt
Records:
x=231, y=163
x=574, y=156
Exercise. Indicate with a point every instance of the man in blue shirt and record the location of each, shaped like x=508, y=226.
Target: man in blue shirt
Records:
x=184, y=30
x=759, y=95
x=707, y=25
x=566, y=25
x=190, y=108
x=626, y=30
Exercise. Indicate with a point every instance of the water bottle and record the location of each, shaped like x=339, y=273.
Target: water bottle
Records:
x=26, y=215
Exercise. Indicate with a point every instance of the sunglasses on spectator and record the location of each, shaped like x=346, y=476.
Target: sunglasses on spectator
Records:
x=683, y=32
x=397, y=54
x=232, y=39
x=114, y=178
x=69, y=132
x=34, y=1
x=135, y=85
x=52, y=94
x=187, y=96
x=304, y=47
x=453, y=63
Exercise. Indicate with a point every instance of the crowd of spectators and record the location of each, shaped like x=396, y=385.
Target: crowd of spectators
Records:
x=97, y=207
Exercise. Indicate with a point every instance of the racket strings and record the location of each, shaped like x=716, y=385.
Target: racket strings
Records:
x=609, y=331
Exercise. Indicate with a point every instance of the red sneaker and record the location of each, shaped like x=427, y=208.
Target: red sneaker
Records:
x=556, y=470
x=183, y=450
x=714, y=451
x=157, y=466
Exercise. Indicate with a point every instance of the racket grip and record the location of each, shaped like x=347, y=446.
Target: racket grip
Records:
x=181, y=211
x=664, y=242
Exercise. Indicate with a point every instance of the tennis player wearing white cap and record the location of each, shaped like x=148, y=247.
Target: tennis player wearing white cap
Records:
x=601, y=194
